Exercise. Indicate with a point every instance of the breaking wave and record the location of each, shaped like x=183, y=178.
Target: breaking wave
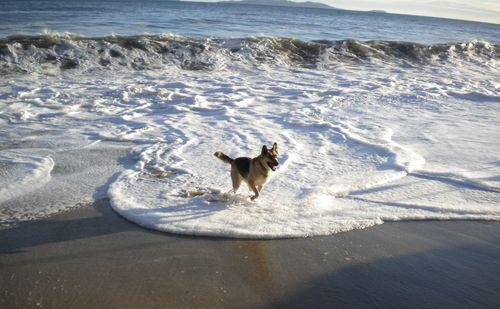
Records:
x=51, y=53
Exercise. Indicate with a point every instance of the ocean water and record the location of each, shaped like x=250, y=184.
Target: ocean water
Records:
x=378, y=117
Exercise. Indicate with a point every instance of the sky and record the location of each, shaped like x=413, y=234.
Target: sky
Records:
x=477, y=10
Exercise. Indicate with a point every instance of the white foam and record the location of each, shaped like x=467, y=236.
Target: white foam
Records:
x=359, y=145
x=22, y=173
x=344, y=165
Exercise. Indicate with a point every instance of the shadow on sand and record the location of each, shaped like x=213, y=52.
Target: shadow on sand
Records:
x=88, y=222
x=460, y=277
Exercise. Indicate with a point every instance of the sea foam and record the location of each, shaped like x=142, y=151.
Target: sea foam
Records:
x=21, y=172
x=368, y=132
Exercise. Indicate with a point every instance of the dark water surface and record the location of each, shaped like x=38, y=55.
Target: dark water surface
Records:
x=200, y=20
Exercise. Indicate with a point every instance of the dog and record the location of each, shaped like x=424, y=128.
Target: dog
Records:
x=256, y=172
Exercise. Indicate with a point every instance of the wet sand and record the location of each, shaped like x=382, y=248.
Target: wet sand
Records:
x=92, y=258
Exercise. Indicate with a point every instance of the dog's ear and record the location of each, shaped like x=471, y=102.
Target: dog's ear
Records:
x=264, y=150
x=275, y=147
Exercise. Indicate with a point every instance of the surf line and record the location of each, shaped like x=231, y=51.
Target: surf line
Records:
x=410, y=162
x=455, y=179
x=406, y=161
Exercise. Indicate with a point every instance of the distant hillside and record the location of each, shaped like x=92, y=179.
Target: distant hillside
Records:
x=307, y=4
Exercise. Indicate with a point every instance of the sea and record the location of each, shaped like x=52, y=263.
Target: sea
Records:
x=378, y=117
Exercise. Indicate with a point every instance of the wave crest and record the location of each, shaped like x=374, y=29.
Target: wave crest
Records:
x=53, y=52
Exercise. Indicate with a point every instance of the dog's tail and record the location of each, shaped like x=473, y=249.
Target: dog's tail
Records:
x=223, y=157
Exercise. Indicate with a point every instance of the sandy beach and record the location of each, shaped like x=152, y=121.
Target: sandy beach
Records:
x=93, y=258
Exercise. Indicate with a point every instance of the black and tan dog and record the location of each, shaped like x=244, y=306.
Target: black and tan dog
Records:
x=255, y=172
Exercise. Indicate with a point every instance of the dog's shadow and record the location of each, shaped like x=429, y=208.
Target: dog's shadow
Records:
x=216, y=196
x=193, y=204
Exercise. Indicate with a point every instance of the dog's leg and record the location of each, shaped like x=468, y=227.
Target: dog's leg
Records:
x=260, y=188
x=255, y=190
x=236, y=178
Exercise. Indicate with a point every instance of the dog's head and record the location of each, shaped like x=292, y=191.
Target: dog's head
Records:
x=270, y=156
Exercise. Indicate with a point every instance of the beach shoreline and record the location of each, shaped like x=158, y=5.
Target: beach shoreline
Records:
x=92, y=257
